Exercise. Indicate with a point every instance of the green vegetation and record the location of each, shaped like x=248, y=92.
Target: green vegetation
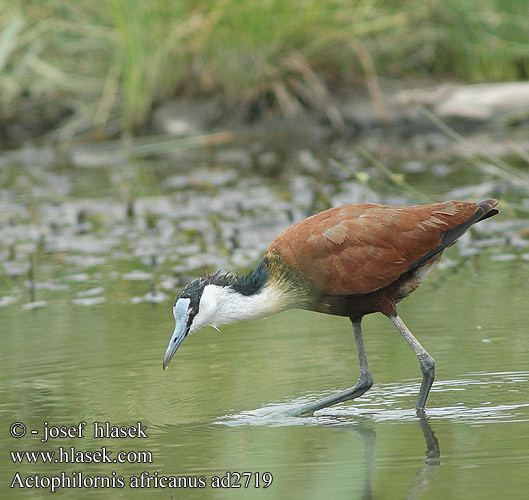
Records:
x=105, y=64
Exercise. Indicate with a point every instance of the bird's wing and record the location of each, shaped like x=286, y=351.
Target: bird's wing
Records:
x=357, y=249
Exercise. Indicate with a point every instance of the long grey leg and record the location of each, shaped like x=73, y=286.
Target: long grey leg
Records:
x=363, y=384
x=426, y=361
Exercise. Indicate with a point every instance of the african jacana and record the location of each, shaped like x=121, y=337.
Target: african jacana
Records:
x=349, y=261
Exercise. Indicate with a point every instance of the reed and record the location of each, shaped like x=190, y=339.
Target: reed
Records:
x=108, y=63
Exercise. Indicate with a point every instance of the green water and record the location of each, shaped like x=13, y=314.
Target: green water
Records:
x=206, y=415
x=86, y=288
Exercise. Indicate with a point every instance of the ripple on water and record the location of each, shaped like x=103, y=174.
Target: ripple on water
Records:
x=384, y=403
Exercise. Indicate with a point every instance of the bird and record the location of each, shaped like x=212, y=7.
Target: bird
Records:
x=348, y=261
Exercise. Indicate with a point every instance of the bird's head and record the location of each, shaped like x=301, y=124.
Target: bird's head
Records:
x=201, y=303
x=221, y=299
x=185, y=311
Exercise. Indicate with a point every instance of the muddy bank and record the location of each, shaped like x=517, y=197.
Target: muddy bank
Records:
x=405, y=108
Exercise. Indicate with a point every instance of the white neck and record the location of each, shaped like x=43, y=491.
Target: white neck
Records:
x=221, y=305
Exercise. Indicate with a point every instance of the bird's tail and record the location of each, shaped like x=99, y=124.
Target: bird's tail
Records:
x=487, y=208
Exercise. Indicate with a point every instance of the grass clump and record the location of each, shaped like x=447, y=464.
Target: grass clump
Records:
x=108, y=63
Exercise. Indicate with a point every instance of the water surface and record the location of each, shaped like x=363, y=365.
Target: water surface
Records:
x=209, y=413
x=85, y=314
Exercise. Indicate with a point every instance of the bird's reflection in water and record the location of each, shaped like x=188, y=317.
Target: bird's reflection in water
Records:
x=369, y=438
x=425, y=475
x=364, y=426
x=428, y=472
x=433, y=453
